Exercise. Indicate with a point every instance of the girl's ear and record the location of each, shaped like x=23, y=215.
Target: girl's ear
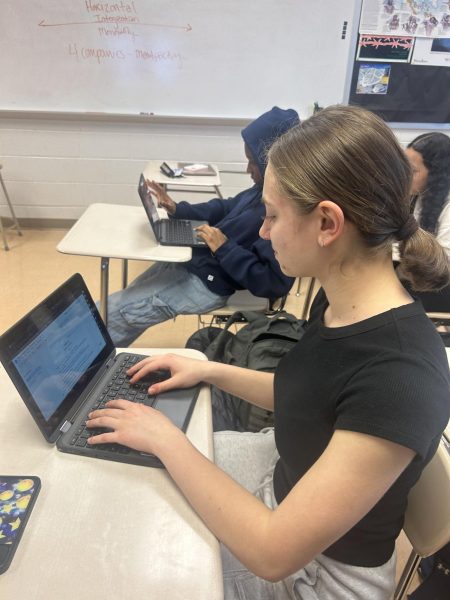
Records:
x=331, y=222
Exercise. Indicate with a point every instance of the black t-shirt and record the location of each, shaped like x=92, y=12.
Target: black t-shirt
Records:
x=385, y=376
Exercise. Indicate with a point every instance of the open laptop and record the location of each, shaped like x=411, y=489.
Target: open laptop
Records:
x=63, y=363
x=168, y=232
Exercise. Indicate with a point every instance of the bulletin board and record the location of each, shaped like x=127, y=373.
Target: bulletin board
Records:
x=401, y=64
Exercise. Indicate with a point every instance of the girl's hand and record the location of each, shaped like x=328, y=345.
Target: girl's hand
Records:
x=185, y=372
x=134, y=425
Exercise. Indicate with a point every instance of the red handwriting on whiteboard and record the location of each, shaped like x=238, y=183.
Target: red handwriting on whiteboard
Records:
x=157, y=56
x=102, y=55
x=98, y=54
x=110, y=7
x=115, y=20
x=117, y=32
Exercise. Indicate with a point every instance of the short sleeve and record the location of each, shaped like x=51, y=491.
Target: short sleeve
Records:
x=399, y=397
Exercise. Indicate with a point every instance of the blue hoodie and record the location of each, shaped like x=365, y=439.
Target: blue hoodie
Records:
x=244, y=261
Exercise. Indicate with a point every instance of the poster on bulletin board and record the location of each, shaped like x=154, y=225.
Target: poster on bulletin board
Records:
x=401, y=66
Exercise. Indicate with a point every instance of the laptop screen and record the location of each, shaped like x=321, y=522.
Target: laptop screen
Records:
x=53, y=362
x=147, y=201
x=54, y=352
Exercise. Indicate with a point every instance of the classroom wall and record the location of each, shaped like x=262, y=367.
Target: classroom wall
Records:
x=56, y=165
x=54, y=168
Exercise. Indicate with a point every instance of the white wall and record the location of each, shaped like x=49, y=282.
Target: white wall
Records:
x=54, y=168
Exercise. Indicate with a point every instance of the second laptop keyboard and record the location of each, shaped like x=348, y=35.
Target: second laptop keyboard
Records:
x=179, y=231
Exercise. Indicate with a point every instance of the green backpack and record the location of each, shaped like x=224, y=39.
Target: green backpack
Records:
x=259, y=345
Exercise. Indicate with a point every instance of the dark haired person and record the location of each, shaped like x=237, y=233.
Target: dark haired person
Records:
x=429, y=156
x=312, y=508
x=234, y=258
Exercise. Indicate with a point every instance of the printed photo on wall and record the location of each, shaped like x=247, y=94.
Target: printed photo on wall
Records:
x=429, y=51
x=418, y=18
x=382, y=48
x=373, y=78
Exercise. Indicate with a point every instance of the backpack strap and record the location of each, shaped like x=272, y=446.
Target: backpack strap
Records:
x=257, y=325
x=216, y=350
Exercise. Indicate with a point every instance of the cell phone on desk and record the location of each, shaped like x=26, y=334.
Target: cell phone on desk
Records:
x=169, y=172
x=17, y=497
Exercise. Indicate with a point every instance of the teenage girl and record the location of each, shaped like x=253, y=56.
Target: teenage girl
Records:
x=313, y=508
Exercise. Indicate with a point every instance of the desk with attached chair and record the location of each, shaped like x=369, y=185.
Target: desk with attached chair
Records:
x=199, y=184
x=102, y=529
x=15, y=223
x=117, y=231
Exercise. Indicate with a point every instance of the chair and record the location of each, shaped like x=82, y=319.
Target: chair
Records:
x=439, y=318
x=427, y=518
x=308, y=297
x=15, y=224
x=441, y=321
x=242, y=300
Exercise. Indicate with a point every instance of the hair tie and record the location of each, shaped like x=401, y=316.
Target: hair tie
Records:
x=408, y=229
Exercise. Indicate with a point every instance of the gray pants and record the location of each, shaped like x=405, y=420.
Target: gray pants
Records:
x=250, y=459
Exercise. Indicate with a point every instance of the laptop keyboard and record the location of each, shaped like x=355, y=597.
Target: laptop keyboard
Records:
x=119, y=386
x=179, y=231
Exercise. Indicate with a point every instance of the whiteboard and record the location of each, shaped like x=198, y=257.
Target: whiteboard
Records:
x=199, y=58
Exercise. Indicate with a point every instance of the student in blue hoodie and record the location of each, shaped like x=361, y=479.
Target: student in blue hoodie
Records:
x=235, y=258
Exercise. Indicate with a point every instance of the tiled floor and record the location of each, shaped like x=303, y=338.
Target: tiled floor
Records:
x=33, y=268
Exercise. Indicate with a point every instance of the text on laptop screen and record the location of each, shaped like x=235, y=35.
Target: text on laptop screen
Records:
x=53, y=362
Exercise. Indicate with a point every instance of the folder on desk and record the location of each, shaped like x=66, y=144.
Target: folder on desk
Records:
x=196, y=169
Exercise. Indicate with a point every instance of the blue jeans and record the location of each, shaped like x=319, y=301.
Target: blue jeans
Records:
x=162, y=292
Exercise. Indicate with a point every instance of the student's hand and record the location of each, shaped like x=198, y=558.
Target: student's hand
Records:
x=185, y=372
x=133, y=425
x=213, y=236
x=163, y=198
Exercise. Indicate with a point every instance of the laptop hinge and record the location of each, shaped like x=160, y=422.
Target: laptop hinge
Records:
x=65, y=426
x=111, y=362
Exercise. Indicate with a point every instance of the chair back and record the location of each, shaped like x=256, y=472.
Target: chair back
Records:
x=427, y=518
x=242, y=301
x=439, y=318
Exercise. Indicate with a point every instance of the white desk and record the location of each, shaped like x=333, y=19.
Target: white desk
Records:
x=116, y=231
x=105, y=530
x=201, y=184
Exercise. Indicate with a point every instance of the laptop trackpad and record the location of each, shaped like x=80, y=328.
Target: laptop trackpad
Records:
x=175, y=405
